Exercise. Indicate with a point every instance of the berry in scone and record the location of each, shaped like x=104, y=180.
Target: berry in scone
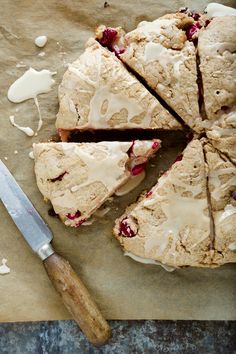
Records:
x=77, y=178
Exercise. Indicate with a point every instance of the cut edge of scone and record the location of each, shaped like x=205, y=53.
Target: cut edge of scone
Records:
x=216, y=50
x=97, y=92
x=77, y=178
x=138, y=228
x=222, y=199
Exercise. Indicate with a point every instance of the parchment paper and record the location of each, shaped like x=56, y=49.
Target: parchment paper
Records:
x=123, y=288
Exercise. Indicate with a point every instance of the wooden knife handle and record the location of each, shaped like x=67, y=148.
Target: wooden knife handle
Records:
x=77, y=299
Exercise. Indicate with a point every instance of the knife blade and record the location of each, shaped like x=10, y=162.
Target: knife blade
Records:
x=74, y=294
x=22, y=211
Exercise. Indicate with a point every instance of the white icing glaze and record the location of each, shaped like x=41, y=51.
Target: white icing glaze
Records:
x=157, y=52
x=114, y=101
x=40, y=122
x=27, y=130
x=31, y=155
x=232, y=246
x=20, y=65
x=40, y=41
x=30, y=84
x=180, y=212
x=98, y=168
x=132, y=183
x=155, y=26
x=214, y=10
x=229, y=210
x=41, y=54
x=4, y=269
x=148, y=261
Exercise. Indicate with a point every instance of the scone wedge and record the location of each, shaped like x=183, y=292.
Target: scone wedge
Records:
x=171, y=223
x=98, y=92
x=77, y=178
x=162, y=55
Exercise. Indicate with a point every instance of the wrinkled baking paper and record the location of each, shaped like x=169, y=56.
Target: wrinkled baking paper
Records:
x=122, y=288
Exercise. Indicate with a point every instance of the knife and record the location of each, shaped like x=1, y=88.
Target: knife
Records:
x=74, y=294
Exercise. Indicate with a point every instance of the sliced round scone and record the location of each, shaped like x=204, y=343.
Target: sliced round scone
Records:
x=222, y=188
x=79, y=177
x=97, y=92
x=171, y=223
x=217, y=53
x=162, y=54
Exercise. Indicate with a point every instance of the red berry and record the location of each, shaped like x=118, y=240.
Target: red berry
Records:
x=195, y=16
x=74, y=216
x=108, y=36
x=136, y=170
x=80, y=222
x=192, y=30
x=148, y=194
x=179, y=158
x=155, y=145
x=125, y=229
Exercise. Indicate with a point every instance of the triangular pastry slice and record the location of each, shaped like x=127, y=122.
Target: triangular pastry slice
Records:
x=97, y=92
x=162, y=55
x=222, y=188
x=217, y=53
x=171, y=223
x=79, y=177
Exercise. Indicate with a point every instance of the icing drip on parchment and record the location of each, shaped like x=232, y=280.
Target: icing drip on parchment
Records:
x=27, y=130
x=4, y=269
x=148, y=261
x=31, y=84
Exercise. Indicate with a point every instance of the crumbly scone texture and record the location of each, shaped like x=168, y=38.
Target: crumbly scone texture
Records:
x=98, y=92
x=222, y=184
x=78, y=177
x=161, y=54
x=222, y=135
x=171, y=223
x=217, y=53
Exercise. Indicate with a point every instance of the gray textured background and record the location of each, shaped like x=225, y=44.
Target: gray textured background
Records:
x=64, y=337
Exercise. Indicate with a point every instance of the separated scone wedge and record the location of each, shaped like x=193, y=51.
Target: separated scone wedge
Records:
x=97, y=92
x=222, y=188
x=77, y=178
x=171, y=223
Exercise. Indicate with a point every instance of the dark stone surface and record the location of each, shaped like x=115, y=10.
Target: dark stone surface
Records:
x=129, y=337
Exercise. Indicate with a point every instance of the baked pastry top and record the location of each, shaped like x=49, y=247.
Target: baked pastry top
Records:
x=175, y=72
x=77, y=178
x=97, y=92
x=171, y=223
